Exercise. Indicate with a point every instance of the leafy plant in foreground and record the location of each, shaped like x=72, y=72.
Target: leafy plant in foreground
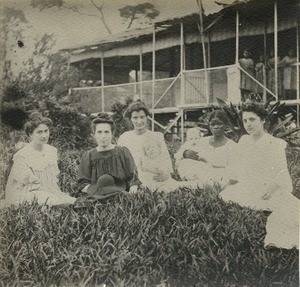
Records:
x=185, y=238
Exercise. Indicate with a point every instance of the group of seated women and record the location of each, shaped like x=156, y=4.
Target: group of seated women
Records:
x=253, y=172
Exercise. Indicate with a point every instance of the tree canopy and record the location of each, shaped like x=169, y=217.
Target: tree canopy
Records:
x=141, y=12
x=43, y=4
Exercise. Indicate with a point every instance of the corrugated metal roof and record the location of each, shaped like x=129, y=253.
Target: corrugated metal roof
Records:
x=133, y=36
x=136, y=33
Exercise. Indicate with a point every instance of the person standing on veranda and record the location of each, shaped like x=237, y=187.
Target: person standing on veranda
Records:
x=289, y=75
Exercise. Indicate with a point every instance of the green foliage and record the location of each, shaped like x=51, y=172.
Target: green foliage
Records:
x=43, y=86
x=10, y=12
x=144, y=11
x=13, y=92
x=43, y=4
x=13, y=116
x=68, y=163
x=70, y=130
x=122, y=123
x=293, y=159
x=186, y=238
x=44, y=75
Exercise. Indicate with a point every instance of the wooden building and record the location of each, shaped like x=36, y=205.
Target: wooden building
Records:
x=180, y=66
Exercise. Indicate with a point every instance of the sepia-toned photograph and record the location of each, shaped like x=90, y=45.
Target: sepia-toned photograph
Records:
x=149, y=143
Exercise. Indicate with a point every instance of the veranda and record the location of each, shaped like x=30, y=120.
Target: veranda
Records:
x=179, y=67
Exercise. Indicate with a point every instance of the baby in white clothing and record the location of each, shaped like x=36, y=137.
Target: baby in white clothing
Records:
x=193, y=142
x=151, y=163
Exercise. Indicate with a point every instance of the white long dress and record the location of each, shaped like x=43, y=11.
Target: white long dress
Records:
x=262, y=169
x=34, y=176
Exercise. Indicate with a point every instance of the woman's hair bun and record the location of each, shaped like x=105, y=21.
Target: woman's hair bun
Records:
x=34, y=116
x=104, y=116
x=136, y=106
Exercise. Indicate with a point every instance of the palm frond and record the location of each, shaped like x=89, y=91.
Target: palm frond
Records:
x=287, y=133
x=281, y=125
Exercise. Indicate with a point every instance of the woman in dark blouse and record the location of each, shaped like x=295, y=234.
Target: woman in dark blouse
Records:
x=106, y=158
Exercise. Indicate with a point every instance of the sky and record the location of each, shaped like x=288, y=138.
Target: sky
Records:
x=73, y=29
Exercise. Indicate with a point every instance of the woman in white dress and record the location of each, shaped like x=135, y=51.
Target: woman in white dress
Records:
x=137, y=112
x=34, y=174
x=214, y=155
x=260, y=179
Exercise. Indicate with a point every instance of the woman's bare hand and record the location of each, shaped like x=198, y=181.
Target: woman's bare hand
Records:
x=190, y=154
x=232, y=182
x=161, y=177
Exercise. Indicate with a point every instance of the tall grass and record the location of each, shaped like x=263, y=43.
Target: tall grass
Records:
x=186, y=238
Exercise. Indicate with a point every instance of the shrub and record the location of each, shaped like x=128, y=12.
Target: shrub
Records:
x=293, y=159
x=70, y=130
x=122, y=123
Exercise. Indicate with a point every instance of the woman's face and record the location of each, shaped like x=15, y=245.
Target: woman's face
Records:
x=103, y=134
x=139, y=120
x=217, y=126
x=253, y=124
x=40, y=135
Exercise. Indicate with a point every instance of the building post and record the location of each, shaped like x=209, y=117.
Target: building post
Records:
x=203, y=49
x=276, y=49
x=182, y=80
x=102, y=82
x=264, y=66
x=182, y=65
x=153, y=76
x=68, y=57
x=298, y=73
x=181, y=111
x=237, y=23
x=208, y=50
x=141, y=72
x=238, y=72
